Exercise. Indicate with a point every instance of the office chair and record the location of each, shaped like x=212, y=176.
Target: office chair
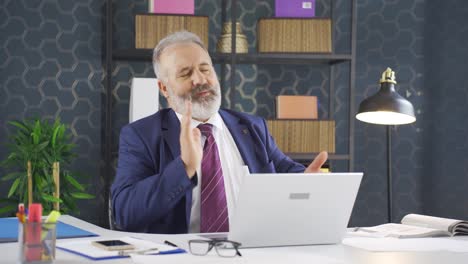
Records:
x=144, y=98
x=144, y=101
x=112, y=224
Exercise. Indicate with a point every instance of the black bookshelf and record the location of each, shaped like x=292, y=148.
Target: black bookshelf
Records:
x=113, y=55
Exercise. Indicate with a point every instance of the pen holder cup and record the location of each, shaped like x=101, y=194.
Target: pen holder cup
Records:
x=37, y=242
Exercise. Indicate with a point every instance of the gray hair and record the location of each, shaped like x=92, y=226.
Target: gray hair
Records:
x=179, y=37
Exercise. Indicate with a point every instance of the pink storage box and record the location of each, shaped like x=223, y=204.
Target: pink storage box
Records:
x=171, y=6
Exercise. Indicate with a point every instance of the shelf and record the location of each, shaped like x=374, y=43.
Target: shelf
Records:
x=252, y=58
x=282, y=58
x=133, y=54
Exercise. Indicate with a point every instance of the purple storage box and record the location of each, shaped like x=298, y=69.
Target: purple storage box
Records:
x=295, y=8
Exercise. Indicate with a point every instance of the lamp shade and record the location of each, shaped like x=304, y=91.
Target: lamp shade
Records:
x=386, y=107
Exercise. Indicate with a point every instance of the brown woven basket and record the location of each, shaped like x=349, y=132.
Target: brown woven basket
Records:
x=294, y=35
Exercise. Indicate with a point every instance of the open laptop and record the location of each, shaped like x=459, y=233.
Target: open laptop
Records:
x=293, y=209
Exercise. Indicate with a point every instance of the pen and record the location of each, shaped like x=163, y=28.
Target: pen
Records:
x=170, y=243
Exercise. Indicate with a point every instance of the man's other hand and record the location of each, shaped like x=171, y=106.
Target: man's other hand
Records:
x=317, y=163
x=191, y=150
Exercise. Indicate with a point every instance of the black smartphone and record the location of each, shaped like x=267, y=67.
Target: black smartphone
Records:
x=113, y=245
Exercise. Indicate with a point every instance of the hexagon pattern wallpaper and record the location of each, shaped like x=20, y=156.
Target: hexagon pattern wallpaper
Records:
x=52, y=65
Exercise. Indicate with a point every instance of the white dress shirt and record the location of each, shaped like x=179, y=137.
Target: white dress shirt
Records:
x=231, y=163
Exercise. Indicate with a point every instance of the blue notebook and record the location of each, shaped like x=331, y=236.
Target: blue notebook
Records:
x=9, y=230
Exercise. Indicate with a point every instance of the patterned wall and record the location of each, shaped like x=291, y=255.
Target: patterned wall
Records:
x=390, y=34
x=51, y=66
x=425, y=43
x=446, y=176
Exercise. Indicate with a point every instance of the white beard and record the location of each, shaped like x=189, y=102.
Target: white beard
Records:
x=202, y=108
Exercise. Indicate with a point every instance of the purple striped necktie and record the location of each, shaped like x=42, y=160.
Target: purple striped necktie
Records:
x=213, y=206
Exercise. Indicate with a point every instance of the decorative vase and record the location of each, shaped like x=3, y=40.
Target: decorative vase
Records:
x=225, y=41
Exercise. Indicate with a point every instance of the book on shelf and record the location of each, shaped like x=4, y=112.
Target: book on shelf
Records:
x=296, y=107
x=416, y=225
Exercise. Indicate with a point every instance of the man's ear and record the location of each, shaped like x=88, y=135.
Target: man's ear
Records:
x=163, y=89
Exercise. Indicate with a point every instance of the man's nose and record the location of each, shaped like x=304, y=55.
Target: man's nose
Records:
x=198, y=78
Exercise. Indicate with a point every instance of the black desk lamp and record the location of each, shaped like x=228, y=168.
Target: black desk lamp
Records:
x=387, y=107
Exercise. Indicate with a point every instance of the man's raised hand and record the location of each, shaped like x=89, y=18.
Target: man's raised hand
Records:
x=191, y=151
x=317, y=163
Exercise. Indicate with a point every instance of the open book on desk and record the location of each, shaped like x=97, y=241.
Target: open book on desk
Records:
x=415, y=225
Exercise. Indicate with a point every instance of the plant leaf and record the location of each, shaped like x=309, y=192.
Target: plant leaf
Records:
x=12, y=175
x=19, y=125
x=42, y=146
x=80, y=195
x=8, y=208
x=74, y=182
x=48, y=158
x=51, y=198
x=69, y=202
x=36, y=132
x=61, y=132
x=54, y=135
x=13, y=188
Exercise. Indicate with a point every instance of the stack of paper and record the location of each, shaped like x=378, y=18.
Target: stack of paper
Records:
x=391, y=244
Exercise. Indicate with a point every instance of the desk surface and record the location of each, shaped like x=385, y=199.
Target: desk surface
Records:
x=301, y=254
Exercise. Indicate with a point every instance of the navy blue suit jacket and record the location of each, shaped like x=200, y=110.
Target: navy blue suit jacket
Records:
x=152, y=192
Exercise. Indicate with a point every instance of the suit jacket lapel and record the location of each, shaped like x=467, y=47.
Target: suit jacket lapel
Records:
x=171, y=131
x=241, y=134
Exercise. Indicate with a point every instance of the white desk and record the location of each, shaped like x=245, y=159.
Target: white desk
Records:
x=302, y=254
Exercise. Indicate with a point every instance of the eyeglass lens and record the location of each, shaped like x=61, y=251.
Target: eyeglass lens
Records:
x=200, y=247
x=225, y=249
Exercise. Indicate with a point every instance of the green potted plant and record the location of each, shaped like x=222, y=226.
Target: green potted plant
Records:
x=37, y=150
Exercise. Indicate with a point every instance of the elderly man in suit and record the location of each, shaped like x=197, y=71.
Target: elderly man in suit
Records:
x=179, y=170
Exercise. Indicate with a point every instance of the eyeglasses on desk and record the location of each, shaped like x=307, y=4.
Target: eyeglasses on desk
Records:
x=224, y=248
